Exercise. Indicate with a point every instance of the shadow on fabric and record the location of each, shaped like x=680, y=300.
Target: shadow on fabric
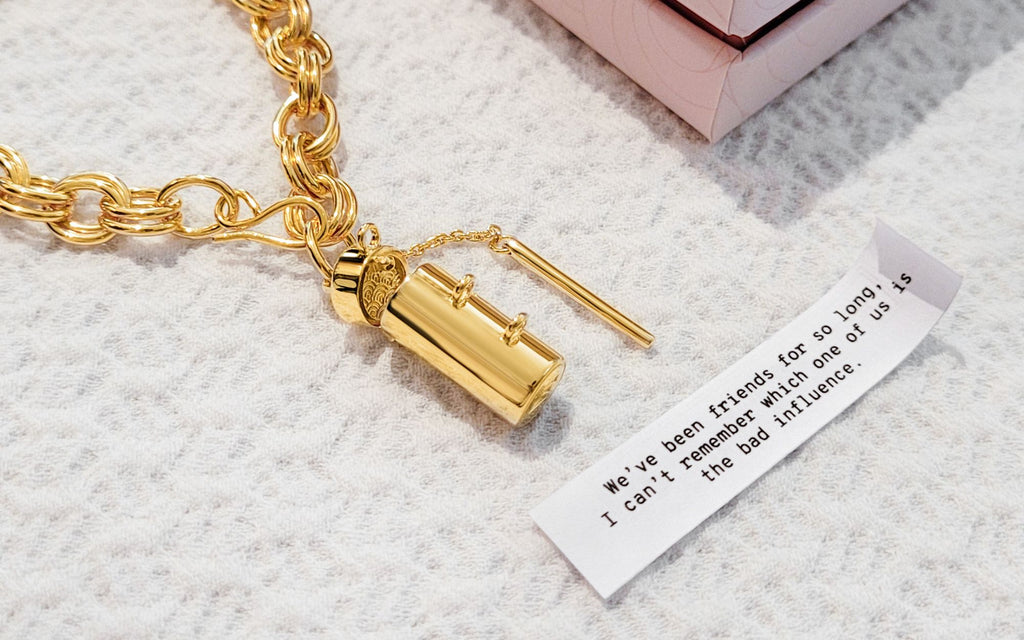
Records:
x=804, y=143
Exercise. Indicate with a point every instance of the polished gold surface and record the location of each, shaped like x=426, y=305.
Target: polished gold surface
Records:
x=462, y=290
x=440, y=319
x=532, y=261
x=468, y=344
x=344, y=285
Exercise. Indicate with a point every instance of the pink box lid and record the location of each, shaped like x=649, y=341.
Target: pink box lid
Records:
x=739, y=18
x=710, y=84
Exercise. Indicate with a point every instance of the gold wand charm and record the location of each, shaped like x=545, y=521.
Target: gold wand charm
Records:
x=459, y=333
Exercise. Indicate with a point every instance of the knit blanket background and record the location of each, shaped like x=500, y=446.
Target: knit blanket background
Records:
x=193, y=445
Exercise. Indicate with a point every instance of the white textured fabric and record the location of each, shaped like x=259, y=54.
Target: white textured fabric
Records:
x=192, y=445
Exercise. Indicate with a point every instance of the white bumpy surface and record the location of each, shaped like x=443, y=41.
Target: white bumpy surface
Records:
x=191, y=445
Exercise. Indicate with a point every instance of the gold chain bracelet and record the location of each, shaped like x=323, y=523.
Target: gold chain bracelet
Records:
x=428, y=310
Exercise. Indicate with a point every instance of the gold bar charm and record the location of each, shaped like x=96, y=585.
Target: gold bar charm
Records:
x=532, y=261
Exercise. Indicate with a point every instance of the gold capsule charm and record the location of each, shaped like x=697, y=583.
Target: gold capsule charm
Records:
x=459, y=333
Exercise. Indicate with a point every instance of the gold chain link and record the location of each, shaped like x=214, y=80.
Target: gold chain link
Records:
x=320, y=211
x=492, y=236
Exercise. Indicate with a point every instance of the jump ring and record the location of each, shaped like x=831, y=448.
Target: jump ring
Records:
x=147, y=215
x=323, y=144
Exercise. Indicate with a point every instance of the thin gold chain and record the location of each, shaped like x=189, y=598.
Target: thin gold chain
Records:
x=492, y=236
x=320, y=211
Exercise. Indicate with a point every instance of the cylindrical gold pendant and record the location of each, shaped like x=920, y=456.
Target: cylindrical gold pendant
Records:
x=460, y=334
x=471, y=342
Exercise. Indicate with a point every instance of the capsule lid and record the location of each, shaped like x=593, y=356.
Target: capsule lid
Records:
x=364, y=281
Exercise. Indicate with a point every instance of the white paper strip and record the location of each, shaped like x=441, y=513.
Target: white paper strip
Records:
x=626, y=510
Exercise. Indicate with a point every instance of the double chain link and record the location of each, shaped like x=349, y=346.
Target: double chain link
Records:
x=320, y=210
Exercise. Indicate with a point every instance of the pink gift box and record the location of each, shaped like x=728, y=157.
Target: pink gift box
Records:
x=737, y=21
x=708, y=60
